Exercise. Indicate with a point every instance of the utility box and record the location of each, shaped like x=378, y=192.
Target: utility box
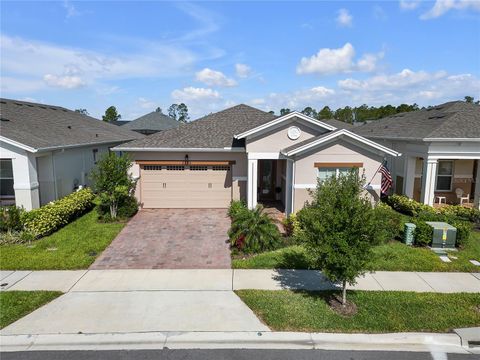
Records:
x=408, y=233
x=444, y=235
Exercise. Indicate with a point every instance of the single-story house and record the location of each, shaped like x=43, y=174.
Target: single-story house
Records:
x=150, y=123
x=441, y=152
x=46, y=151
x=245, y=153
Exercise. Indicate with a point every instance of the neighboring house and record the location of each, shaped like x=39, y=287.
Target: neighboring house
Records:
x=46, y=151
x=441, y=151
x=245, y=153
x=150, y=123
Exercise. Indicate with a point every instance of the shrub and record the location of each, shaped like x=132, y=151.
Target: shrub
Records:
x=127, y=207
x=423, y=233
x=253, y=231
x=11, y=218
x=464, y=230
x=15, y=237
x=388, y=223
x=113, y=181
x=292, y=227
x=236, y=207
x=407, y=206
x=461, y=212
x=48, y=218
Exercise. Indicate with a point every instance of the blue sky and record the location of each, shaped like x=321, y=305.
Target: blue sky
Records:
x=212, y=55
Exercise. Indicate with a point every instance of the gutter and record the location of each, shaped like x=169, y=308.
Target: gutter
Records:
x=159, y=149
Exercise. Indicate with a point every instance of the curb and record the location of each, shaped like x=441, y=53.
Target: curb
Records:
x=416, y=342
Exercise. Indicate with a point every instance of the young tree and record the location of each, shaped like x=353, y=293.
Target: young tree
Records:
x=309, y=111
x=112, y=181
x=469, y=99
x=159, y=110
x=111, y=114
x=82, y=111
x=339, y=227
x=179, y=112
x=285, y=111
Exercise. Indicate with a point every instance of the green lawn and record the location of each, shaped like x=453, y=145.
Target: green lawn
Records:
x=393, y=256
x=17, y=304
x=73, y=247
x=377, y=311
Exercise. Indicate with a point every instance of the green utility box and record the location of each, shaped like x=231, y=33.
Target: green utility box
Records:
x=408, y=233
x=444, y=235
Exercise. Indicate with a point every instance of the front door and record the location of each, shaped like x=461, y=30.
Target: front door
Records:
x=266, y=180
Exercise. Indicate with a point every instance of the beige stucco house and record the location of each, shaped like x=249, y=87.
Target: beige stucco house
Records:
x=441, y=152
x=245, y=153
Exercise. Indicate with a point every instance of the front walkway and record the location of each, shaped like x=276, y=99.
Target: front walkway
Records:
x=170, y=239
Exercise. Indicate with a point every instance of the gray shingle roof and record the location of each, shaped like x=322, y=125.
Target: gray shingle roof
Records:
x=155, y=121
x=455, y=119
x=45, y=126
x=211, y=131
x=338, y=124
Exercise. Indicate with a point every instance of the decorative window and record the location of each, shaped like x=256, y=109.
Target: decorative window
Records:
x=198, y=168
x=95, y=152
x=6, y=179
x=152, y=167
x=444, y=175
x=326, y=173
x=175, y=167
x=220, y=168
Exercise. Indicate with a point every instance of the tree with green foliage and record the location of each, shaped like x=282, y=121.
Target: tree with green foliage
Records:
x=344, y=114
x=309, y=111
x=179, y=112
x=325, y=114
x=339, y=228
x=285, y=111
x=111, y=114
x=112, y=180
x=159, y=110
x=82, y=111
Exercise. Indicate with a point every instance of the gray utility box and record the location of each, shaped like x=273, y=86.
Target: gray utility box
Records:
x=444, y=235
x=408, y=233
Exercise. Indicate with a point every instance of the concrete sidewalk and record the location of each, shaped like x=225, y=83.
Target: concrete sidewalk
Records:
x=225, y=280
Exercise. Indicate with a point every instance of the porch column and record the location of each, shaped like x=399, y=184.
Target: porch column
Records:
x=409, y=175
x=289, y=187
x=429, y=177
x=252, y=183
x=476, y=195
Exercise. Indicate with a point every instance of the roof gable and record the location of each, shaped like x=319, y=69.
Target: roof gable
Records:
x=152, y=121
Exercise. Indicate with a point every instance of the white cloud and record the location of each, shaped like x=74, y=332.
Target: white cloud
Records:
x=243, y=70
x=409, y=4
x=334, y=61
x=70, y=9
x=65, y=81
x=344, y=18
x=50, y=64
x=214, y=78
x=443, y=6
x=193, y=94
x=297, y=100
x=146, y=104
x=258, y=101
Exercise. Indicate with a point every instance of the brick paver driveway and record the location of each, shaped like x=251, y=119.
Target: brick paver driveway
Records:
x=170, y=239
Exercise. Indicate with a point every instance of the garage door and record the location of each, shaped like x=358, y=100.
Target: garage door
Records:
x=186, y=186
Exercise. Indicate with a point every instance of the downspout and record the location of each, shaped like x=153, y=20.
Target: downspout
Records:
x=54, y=176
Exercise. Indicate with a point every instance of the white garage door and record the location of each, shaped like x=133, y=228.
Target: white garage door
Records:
x=186, y=186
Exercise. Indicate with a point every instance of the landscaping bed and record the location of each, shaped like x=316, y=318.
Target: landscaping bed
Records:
x=393, y=256
x=377, y=312
x=75, y=246
x=16, y=304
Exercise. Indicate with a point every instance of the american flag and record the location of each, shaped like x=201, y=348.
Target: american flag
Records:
x=387, y=180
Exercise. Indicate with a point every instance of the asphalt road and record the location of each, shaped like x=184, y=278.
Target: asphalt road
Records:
x=230, y=355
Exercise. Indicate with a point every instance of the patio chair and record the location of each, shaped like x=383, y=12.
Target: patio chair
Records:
x=460, y=196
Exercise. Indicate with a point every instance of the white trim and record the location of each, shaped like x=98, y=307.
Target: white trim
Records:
x=453, y=139
x=159, y=149
x=252, y=183
x=240, y=178
x=283, y=118
x=26, y=186
x=264, y=155
x=304, y=186
x=345, y=133
x=17, y=144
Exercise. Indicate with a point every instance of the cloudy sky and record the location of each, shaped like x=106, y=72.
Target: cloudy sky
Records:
x=212, y=55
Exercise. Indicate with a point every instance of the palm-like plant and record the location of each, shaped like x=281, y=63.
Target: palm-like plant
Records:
x=253, y=231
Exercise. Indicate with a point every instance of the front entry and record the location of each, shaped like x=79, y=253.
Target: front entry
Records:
x=266, y=180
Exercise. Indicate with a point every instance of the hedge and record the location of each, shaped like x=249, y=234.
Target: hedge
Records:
x=49, y=218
